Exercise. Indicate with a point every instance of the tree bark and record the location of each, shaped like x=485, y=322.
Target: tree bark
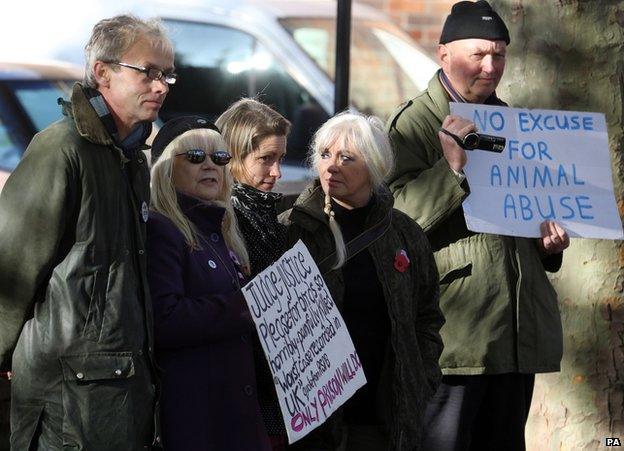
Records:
x=568, y=54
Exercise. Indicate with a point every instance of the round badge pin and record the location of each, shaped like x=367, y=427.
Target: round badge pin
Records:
x=144, y=211
x=212, y=264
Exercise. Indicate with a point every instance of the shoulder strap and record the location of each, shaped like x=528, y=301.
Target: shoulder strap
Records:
x=359, y=243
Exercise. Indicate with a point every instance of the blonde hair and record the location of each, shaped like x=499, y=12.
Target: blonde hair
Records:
x=164, y=198
x=244, y=125
x=365, y=134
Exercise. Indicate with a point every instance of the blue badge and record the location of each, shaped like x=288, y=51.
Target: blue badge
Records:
x=144, y=211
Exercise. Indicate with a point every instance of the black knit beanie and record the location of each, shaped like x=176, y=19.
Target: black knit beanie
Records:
x=476, y=20
x=174, y=128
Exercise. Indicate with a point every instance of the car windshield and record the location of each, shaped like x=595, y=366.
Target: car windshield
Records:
x=26, y=107
x=386, y=68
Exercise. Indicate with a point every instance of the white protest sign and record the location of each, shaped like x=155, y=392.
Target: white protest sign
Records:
x=555, y=166
x=314, y=364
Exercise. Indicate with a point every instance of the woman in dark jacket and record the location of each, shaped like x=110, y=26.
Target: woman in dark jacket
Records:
x=386, y=289
x=202, y=326
x=256, y=137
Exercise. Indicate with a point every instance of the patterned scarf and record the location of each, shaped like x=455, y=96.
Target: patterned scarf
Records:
x=135, y=140
x=256, y=212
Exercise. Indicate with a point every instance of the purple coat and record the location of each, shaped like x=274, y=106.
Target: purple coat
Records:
x=203, y=338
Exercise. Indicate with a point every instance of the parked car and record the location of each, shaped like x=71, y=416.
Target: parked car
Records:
x=283, y=52
x=28, y=104
x=280, y=51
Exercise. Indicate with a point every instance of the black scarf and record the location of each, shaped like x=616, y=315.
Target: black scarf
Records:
x=256, y=212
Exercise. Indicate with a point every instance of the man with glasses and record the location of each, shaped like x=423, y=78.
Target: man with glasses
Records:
x=75, y=316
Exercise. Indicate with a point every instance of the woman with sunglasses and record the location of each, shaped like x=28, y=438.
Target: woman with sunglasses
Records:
x=196, y=260
x=256, y=136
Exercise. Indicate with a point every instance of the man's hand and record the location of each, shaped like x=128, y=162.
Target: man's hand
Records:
x=455, y=155
x=554, y=238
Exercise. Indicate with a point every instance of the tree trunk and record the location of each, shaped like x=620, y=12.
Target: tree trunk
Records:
x=568, y=54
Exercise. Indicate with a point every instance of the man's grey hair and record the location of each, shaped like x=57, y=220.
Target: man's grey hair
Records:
x=363, y=133
x=113, y=37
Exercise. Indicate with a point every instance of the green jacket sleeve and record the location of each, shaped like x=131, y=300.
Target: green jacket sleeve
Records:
x=423, y=184
x=34, y=208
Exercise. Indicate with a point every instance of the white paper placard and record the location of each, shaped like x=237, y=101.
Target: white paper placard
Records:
x=555, y=165
x=312, y=358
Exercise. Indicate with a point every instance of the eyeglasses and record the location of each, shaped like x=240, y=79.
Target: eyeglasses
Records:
x=152, y=73
x=197, y=156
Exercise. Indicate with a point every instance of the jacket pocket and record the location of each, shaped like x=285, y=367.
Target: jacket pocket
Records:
x=25, y=426
x=97, y=302
x=98, y=410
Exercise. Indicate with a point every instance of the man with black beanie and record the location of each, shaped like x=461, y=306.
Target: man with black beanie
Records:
x=502, y=319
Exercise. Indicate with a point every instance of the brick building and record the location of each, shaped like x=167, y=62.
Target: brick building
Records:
x=422, y=19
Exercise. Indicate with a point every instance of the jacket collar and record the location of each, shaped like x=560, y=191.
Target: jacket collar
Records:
x=308, y=208
x=87, y=121
x=442, y=92
x=206, y=216
x=92, y=124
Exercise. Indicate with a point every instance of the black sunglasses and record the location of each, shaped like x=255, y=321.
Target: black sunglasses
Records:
x=197, y=156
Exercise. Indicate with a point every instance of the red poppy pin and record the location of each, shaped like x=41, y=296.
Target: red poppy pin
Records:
x=401, y=261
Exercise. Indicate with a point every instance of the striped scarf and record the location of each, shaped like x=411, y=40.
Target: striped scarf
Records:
x=135, y=140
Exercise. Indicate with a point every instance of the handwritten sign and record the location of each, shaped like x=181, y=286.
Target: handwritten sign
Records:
x=555, y=166
x=314, y=364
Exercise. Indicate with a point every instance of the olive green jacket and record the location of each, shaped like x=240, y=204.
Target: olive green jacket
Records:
x=411, y=373
x=75, y=315
x=501, y=310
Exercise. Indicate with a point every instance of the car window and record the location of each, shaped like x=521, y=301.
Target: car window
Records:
x=39, y=100
x=218, y=65
x=26, y=107
x=385, y=68
x=11, y=146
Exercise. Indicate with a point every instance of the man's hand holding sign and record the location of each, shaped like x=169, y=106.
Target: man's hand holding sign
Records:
x=553, y=175
x=554, y=238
